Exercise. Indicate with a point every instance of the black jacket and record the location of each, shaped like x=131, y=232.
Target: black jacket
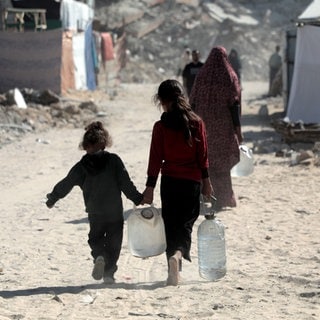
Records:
x=102, y=177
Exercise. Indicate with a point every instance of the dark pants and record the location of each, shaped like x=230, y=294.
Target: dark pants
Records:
x=272, y=74
x=105, y=239
x=180, y=210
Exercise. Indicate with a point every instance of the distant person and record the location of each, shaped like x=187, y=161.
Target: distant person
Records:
x=275, y=64
x=184, y=60
x=178, y=151
x=277, y=85
x=191, y=70
x=216, y=98
x=102, y=177
x=235, y=62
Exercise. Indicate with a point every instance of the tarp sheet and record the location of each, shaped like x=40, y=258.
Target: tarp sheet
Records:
x=30, y=60
x=80, y=71
x=304, y=100
x=311, y=13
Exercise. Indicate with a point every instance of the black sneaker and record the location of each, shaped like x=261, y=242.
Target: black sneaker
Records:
x=108, y=275
x=108, y=279
x=98, y=269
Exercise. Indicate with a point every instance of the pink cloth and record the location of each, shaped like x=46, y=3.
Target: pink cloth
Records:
x=107, y=50
x=215, y=90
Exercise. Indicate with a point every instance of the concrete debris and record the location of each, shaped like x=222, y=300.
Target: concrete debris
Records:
x=47, y=97
x=253, y=28
x=299, y=157
x=44, y=110
x=141, y=29
x=219, y=14
x=193, y=3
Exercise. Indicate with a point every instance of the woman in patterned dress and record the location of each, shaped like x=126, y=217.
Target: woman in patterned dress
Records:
x=216, y=98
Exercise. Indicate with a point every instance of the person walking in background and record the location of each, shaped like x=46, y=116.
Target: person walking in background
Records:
x=179, y=150
x=235, y=62
x=184, y=60
x=191, y=70
x=216, y=98
x=275, y=64
x=102, y=177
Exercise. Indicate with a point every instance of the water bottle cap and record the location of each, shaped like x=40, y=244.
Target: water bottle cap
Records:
x=147, y=213
x=210, y=216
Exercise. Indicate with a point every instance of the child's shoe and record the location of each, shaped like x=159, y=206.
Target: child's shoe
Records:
x=108, y=275
x=98, y=269
x=108, y=279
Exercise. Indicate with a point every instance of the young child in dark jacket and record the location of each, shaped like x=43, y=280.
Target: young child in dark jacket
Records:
x=102, y=177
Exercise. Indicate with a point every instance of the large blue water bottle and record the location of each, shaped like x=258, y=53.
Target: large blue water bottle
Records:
x=211, y=247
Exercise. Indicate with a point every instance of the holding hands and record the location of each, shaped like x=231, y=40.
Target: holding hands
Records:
x=148, y=195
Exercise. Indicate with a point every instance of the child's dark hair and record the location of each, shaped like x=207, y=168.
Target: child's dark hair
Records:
x=96, y=135
x=172, y=91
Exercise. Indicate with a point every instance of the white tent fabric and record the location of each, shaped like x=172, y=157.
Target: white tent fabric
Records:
x=311, y=13
x=78, y=49
x=75, y=15
x=304, y=100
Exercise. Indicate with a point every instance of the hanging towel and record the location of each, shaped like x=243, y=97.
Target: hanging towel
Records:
x=107, y=50
x=78, y=48
x=67, y=65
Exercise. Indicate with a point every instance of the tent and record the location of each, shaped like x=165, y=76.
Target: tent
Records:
x=57, y=59
x=304, y=98
x=311, y=14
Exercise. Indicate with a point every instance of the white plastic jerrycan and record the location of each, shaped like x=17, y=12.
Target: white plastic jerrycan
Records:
x=146, y=233
x=245, y=166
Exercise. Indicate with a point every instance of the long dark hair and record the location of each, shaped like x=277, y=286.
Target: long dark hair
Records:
x=180, y=115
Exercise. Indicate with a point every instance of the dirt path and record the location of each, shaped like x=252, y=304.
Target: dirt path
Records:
x=272, y=236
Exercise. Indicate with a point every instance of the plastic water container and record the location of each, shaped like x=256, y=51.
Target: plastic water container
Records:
x=146, y=233
x=211, y=249
x=245, y=166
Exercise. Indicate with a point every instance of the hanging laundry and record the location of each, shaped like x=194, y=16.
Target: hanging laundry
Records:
x=107, y=50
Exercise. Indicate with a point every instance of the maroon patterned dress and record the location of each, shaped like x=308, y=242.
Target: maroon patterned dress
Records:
x=215, y=90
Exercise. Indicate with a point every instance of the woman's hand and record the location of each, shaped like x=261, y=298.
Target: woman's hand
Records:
x=207, y=189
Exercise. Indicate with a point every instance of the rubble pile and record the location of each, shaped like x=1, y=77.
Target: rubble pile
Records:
x=159, y=30
x=44, y=110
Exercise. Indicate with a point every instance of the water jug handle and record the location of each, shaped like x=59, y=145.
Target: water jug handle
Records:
x=213, y=201
x=135, y=207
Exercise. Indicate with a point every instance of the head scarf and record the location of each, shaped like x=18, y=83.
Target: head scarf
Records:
x=215, y=76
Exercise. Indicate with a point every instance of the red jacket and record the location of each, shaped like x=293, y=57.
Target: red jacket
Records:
x=171, y=153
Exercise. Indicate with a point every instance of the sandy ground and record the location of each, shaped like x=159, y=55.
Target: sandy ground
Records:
x=272, y=237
